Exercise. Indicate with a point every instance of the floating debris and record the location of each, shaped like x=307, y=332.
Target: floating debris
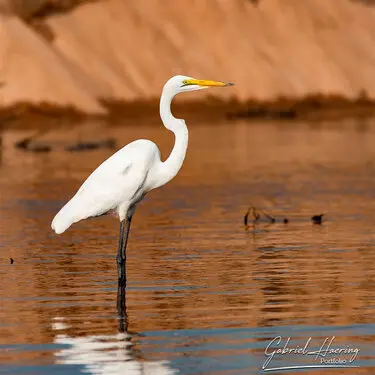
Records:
x=93, y=145
x=246, y=217
x=257, y=216
x=269, y=217
x=317, y=219
x=26, y=144
x=11, y=260
x=35, y=144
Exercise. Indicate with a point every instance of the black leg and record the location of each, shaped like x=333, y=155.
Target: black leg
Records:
x=121, y=308
x=121, y=252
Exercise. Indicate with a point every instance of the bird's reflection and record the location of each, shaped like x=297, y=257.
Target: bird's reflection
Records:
x=107, y=354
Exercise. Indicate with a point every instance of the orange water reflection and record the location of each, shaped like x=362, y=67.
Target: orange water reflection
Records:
x=191, y=263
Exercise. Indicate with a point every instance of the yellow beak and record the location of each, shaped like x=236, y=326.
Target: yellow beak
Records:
x=205, y=83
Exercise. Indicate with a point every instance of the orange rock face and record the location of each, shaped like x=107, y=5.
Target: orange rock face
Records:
x=126, y=50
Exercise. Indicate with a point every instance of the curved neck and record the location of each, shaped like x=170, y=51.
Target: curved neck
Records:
x=170, y=167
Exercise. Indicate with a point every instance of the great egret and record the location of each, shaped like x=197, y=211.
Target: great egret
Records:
x=122, y=181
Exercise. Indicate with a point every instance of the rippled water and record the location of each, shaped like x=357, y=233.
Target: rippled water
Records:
x=205, y=294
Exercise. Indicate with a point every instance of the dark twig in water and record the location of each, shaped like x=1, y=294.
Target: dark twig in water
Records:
x=317, y=219
x=27, y=143
x=255, y=214
x=83, y=146
x=246, y=217
x=11, y=260
x=269, y=217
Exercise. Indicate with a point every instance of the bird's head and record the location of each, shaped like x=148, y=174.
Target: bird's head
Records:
x=178, y=84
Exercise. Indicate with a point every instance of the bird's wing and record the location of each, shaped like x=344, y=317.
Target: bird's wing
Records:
x=116, y=181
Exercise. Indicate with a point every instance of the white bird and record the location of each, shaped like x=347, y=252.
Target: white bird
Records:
x=122, y=181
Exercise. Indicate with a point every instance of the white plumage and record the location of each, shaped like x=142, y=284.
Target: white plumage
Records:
x=118, y=183
x=122, y=180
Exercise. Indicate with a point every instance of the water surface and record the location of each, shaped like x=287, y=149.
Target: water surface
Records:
x=205, y=294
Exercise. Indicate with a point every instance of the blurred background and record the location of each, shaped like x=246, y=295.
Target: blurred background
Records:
x=206, y=294
x=84, y=54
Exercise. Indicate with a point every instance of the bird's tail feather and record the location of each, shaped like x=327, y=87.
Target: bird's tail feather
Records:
x=79, y=209
x=64, y=218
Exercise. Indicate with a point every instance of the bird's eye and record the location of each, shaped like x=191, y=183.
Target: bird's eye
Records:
x=184, y=82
